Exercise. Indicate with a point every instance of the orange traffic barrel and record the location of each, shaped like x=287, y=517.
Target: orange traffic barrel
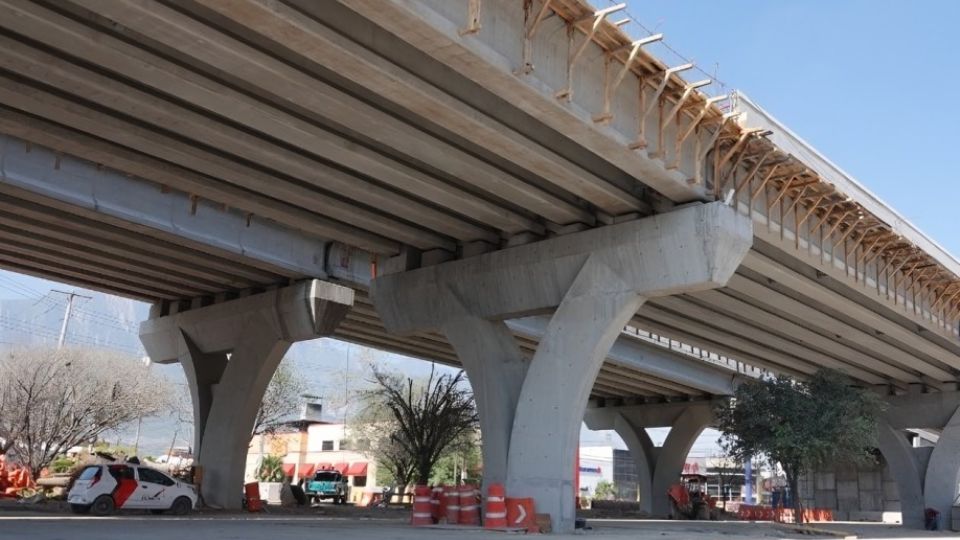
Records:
x=451, y=495
x=520, y=514
x=436, y=503
x=252, y=493
x=495, y=512
x=469, y=506
x=421, y=507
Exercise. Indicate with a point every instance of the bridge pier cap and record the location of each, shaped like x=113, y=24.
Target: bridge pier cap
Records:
x=687, y=250
x=593, y=282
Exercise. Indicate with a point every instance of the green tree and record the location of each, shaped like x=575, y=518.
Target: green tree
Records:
x=422, y=420
x=800, y=424
x=605, y=491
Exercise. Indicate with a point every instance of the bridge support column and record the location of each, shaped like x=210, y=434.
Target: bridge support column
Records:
x=657, y=467
x=593, y=282
x=923, y=483
x=229, y=352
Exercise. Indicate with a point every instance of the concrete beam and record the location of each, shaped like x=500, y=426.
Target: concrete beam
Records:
x=298, y=312
x=479, y=58
x=660, y=255
x=646, y=415
x=82, y=184
x=932, y=410
x=327, y=46
x=652, y=360
x=220, y=51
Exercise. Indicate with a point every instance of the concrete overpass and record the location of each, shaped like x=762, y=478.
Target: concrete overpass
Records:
x=462, y=166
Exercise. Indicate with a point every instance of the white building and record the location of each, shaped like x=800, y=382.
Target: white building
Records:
x=316, y=446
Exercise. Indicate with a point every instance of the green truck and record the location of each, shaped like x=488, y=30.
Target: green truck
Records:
x=327, y=485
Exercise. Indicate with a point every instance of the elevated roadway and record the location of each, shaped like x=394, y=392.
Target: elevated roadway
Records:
x=197, y=152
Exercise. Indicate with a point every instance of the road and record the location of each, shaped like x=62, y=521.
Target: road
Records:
x=44, y=526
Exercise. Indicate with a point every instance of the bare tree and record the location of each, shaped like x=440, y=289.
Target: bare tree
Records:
x=281, y=399
x=427, y=417
x=53, y=400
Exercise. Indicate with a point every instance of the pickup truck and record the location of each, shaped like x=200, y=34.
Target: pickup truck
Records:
x=327, y=485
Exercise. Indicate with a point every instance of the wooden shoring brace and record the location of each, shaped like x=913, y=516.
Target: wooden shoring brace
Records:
x=683, y=135
x=942, y=297
x=828, y=211
x=530, y=30
x=813, y=207
x=888, y=259
x=674, y=112
x=641, y=141
x=766, y=180
x=702, y=151
x=473, y=18
x=597, y=17
x=749, y=176
x=881, y=248
x=610, y=87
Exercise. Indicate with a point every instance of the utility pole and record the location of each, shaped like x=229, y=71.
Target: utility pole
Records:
x=66, y=315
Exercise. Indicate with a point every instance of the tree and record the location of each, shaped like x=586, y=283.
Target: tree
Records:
x=605, y=491
x=420, y=420
x=800, y=424
x=281, y=400
x=52, y=400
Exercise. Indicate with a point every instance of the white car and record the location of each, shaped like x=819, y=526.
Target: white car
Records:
x=102, y=489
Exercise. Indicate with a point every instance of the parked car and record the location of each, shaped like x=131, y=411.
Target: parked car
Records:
x=327, y=485
x=103, y=489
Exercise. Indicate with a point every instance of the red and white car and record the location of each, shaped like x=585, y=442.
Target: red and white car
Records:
x=103, y=489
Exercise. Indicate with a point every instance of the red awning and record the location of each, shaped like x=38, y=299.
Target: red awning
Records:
x=306, y=470
x=340, y=467
x=357, y=468
x=324, y=466
x=288, y=469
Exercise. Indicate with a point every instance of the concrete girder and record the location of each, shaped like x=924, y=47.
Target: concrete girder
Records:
x=854, y=310
x=806, y=316
x=652, y=360
x=36, y=250
x=436, y=36
x=280, y=209
x=600, y=275
x=87, y=228
x=82, y=184
x=680, y=329
x=54, y=236
x=819, y=345
x=363, y=316
x=153, y=143
x=229, y=352
x=746, y=339
x=757, y=329
x=324, y=46
x=121, y=97
x=68, y=274
x=221, y=52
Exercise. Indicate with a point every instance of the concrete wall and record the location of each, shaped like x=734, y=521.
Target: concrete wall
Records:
x=856, y=493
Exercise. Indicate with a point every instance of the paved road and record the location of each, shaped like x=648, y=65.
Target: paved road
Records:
x=29, y=526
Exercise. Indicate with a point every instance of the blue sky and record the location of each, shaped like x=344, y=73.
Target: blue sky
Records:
x=869, y=83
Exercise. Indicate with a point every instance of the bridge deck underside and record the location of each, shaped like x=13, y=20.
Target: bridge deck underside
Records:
x=200, y=105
